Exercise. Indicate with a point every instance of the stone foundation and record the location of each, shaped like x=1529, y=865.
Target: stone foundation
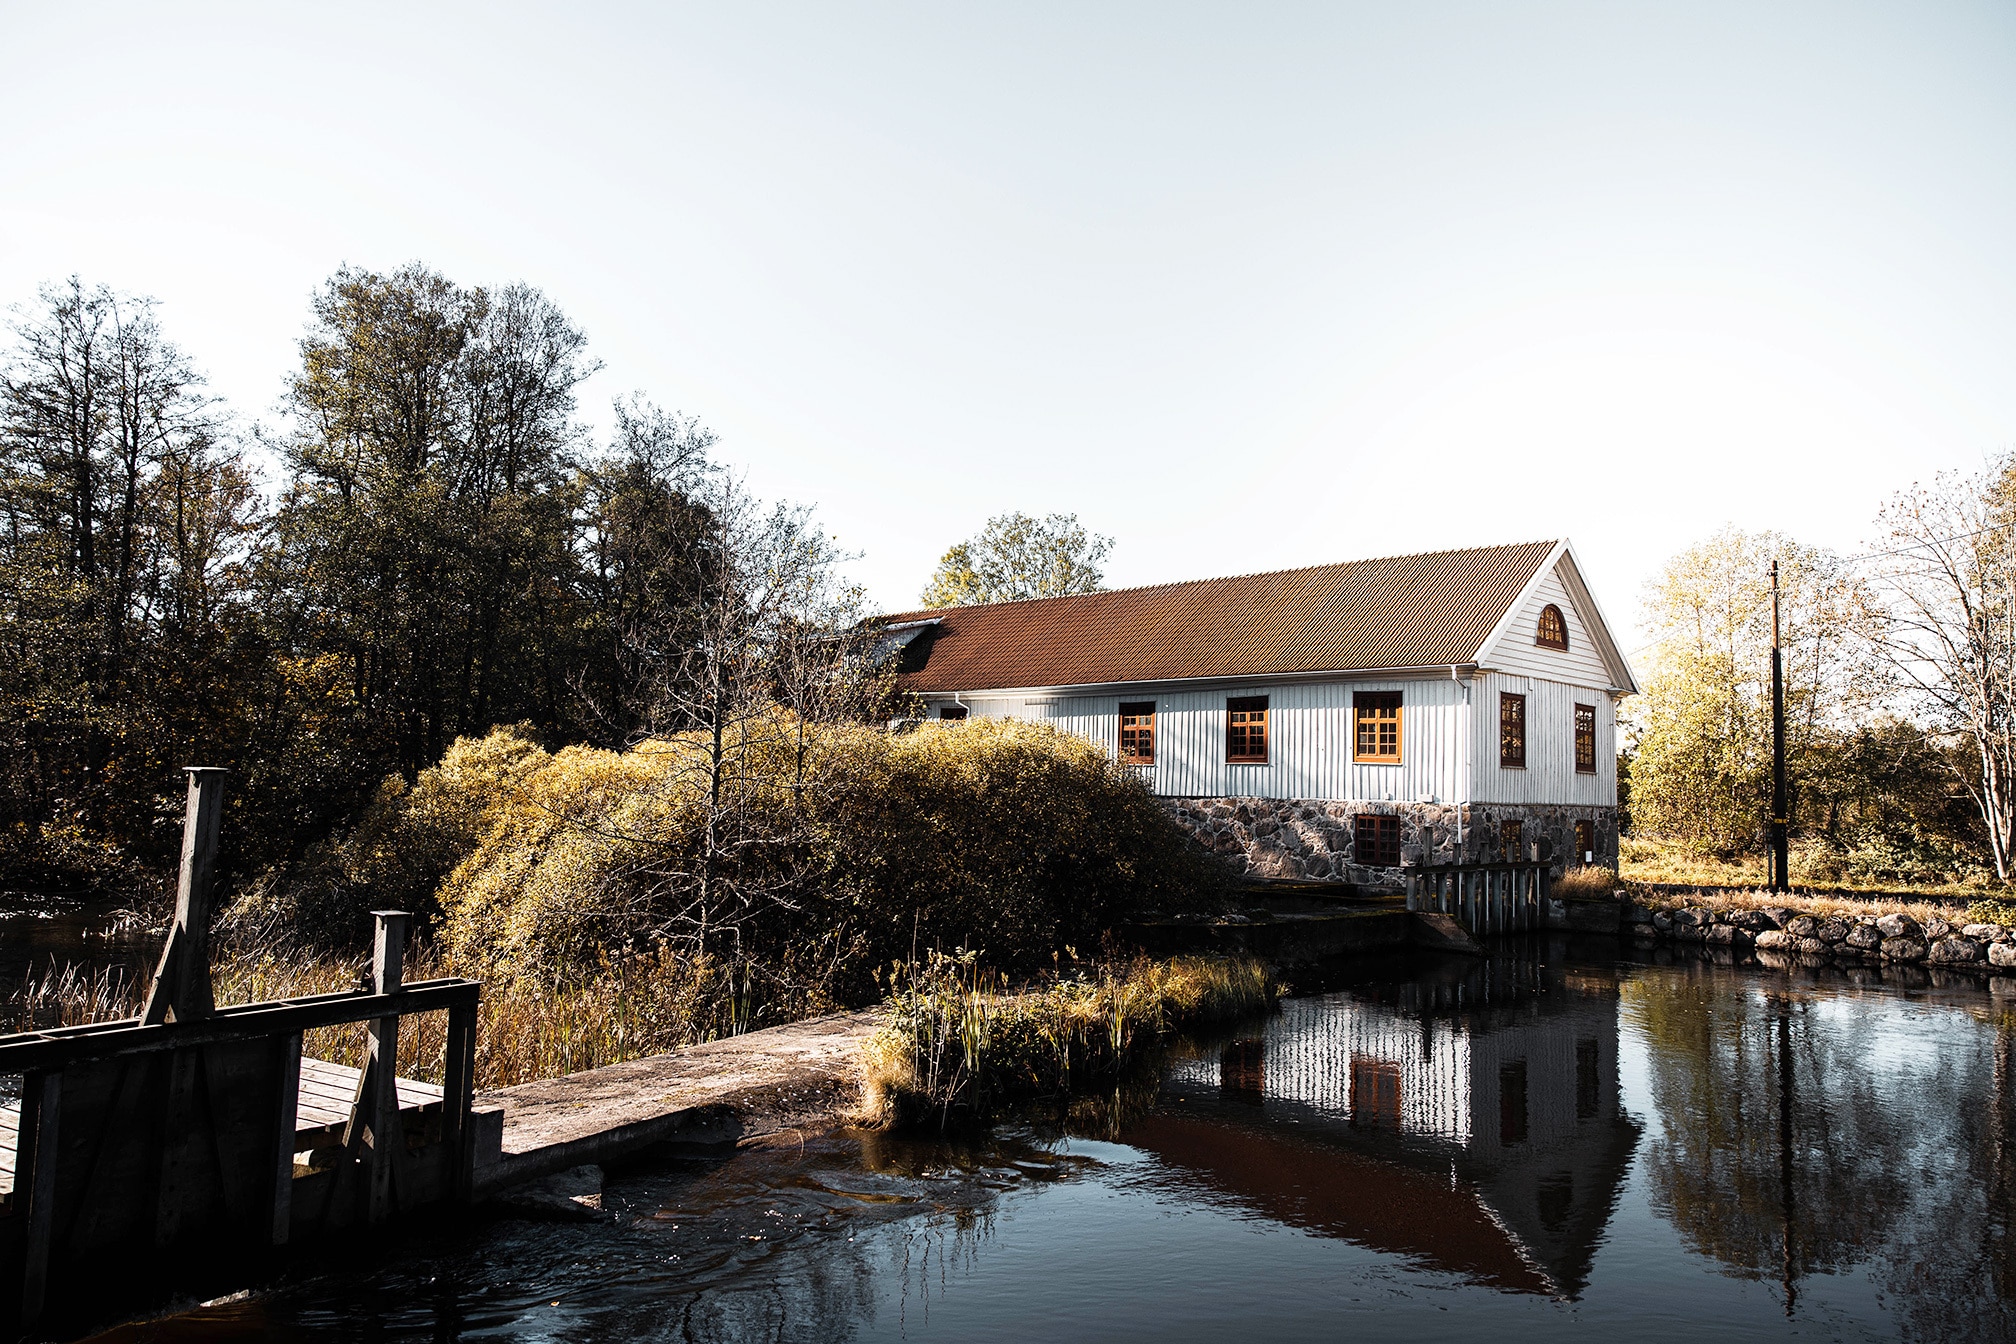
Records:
x=1298, y=838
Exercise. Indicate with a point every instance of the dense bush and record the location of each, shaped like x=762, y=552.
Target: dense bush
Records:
x=851, y=850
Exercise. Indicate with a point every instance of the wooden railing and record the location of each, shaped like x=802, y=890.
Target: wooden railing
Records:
x=1485, y=898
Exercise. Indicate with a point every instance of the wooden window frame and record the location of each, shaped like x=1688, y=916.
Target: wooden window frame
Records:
x=1585, y=765
x=1585, y=853
x=1511, y=747
x=1247, y=705
x=1374, y=837
x=1540, y=635
x=1129, y=751
x=1377, y=702
x=1512, y=841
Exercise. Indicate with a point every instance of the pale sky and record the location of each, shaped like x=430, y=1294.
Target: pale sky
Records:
x=1244, y=286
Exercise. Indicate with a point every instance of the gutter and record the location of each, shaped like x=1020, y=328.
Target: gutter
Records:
x=1200, y=683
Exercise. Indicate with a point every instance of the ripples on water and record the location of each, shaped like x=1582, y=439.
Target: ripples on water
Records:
x=1536, y=1147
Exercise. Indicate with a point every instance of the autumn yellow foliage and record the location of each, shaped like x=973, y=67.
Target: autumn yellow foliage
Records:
x=835, y=848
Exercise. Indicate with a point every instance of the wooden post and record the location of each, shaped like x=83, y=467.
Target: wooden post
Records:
x=35, y=1177
x=181, y=987
x=458, y=1094
x=374, y=1117
x=286, y=1112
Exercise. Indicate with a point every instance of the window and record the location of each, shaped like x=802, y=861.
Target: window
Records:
x=951, y=711
x=1588, y=1081
x=1378, y=841
x=1585, y=841
x=1375, y=1092
x=1585, y=739
x=1511, y=835
x=1242, y=1070
x=1553, y=632
x=1375, y=733
x=1246, y=730
x=1511, y=731
x=1137, y=732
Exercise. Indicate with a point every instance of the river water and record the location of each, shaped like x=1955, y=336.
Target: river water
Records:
x=1561, y=1143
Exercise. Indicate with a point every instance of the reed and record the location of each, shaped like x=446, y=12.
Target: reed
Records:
x=1581, y=883
x=525, y=1029
x=960, y=1039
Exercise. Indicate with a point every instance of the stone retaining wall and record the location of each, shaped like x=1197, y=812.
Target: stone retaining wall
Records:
x=1311, y=840
x=1894, y=938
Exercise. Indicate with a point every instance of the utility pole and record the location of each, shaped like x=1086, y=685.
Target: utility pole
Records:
x=1779, y=846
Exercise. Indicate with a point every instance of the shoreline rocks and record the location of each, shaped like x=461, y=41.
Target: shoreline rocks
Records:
x=1893, y=938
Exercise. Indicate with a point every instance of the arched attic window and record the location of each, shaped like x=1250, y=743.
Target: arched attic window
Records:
x=1553, y=632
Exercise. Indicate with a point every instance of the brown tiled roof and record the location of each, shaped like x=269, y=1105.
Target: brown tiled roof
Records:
x=1401, y=611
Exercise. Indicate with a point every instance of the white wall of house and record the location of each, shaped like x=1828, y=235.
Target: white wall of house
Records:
x=1550, y=775
x=1449, y=740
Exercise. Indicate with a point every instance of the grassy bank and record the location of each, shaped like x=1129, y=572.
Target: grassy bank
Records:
x=1596, y=883
x=526, y=1030
x=1814, y=868
x=961, y=1040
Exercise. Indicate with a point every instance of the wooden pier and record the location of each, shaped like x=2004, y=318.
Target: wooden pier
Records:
x=199, y=1134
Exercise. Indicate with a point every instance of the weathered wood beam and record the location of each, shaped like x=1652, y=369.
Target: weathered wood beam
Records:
x=44, y=1050
x=286, y=1113
x=181, y=987
x=35, y=1173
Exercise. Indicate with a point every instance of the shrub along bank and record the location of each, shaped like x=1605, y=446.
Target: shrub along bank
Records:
x=783, y=869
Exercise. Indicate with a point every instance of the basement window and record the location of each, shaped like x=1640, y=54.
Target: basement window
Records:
x=1246, y=730
x=1137, y=732
x=1377, y=842
x=1585, y=739
x=1375, y=729
x=1511, y=731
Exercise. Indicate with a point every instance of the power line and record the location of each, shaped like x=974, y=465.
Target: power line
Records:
x=1917, y=546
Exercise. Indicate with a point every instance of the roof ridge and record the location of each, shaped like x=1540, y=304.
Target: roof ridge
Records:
x=1226, y=578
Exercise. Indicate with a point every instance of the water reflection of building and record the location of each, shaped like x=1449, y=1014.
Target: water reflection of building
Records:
x=1469, y=1118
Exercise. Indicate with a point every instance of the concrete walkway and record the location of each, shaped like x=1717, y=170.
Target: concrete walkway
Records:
x=801, y=1076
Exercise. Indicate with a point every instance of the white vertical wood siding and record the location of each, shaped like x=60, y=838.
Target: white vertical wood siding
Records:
x=1309, y=739
x=1580, y=665
x=1549, y=776
x=1312, y=1043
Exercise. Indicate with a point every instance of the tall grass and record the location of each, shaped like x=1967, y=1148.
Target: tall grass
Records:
x=525, y=1030
x=1815, y=867
x=960, y=1038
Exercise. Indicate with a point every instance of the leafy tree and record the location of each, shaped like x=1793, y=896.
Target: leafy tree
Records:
x=1701, y=732
x=425, y=539
x=1016, y=557
x=126, y=520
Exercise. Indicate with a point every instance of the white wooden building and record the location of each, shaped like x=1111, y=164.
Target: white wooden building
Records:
x=1468, y=696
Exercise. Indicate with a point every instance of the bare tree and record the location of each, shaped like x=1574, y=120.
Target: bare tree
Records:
x=1947, y=625
x=770, y=644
